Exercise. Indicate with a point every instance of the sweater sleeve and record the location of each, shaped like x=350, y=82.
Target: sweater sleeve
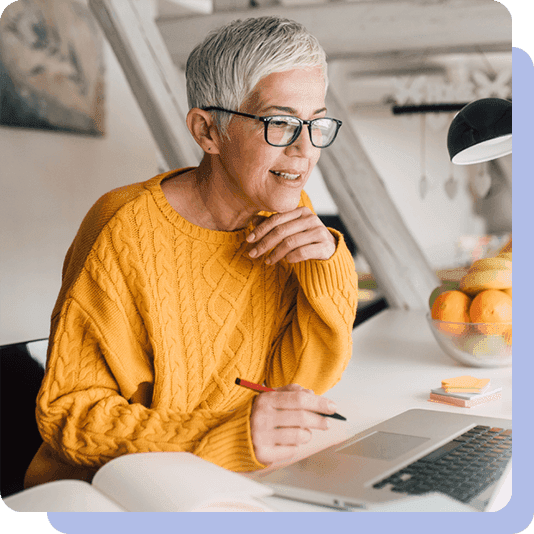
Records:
x=314, y=342
x=85, y=410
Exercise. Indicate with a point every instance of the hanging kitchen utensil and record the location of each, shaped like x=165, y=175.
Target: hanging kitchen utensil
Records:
x=423, y=182
x=481, y=182
x=451, y=185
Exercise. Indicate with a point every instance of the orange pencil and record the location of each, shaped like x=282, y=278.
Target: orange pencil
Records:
x=259, y=388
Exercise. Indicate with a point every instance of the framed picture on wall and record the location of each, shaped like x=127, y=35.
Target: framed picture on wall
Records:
x=51, y=67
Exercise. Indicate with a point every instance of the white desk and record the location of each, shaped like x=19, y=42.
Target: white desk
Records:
x=395, y=363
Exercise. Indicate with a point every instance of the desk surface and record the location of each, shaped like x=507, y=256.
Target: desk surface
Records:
x=395, y=363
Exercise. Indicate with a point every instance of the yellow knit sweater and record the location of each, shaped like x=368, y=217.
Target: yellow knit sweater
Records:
x=155, y=320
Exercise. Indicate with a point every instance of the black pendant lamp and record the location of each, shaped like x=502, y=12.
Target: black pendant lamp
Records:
x=481, y=131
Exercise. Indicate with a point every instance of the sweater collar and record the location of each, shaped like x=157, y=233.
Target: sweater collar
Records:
x=236, y=237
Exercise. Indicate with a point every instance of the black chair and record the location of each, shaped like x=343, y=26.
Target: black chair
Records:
x=366, y=310
x=21, y=374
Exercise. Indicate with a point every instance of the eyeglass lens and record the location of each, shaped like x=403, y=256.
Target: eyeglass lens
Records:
x=282, y=131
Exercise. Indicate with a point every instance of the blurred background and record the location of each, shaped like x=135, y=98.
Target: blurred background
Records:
x=71, y=128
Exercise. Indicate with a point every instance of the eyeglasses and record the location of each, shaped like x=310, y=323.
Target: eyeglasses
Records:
x=283, y=130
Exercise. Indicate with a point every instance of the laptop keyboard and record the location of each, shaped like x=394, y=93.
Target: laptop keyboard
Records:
x=462, y=468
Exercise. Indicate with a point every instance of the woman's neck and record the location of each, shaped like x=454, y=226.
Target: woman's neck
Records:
x=223, y=208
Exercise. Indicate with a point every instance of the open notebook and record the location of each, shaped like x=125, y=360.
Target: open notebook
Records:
x=148, y=482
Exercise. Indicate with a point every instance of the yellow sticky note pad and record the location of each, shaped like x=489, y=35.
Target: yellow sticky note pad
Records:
x=464, y=383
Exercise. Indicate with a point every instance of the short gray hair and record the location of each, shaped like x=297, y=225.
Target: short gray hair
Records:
x=227, y=65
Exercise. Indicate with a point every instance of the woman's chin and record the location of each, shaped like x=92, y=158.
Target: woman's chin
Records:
x=285, y=198
x=283, y=205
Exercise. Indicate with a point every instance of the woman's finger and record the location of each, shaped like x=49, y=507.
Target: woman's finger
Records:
x=315, y=251
x=280, y=232
x=275, y=220
x=291, y=436
x=279, y=444
x=295, y=387
x=293, y=243
x=295, y=400
x=300, y=418
x=270, y=454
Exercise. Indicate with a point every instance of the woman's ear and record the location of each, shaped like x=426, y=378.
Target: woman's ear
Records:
x=203, y=129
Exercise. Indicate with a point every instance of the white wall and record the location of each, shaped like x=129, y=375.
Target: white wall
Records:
x=393, y=144
x=49, y=182
x=436, y=221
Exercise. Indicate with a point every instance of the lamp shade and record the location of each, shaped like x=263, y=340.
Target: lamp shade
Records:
x=481, y=131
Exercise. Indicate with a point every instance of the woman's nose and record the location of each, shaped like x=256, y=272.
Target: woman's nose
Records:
x=302, y=145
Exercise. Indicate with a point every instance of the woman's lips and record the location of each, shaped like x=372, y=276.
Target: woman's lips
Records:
x=287, y=175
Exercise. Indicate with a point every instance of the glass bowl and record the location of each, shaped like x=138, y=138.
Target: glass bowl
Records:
x=474, y=344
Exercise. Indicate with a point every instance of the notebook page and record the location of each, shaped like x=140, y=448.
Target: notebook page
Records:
x=62, y=496
x=173, y=482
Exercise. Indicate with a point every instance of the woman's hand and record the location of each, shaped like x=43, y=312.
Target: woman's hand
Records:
x=281, y=421
x=296, y=235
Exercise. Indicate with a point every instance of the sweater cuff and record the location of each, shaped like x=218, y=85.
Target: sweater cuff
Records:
x=328, y=277
x=230, y=444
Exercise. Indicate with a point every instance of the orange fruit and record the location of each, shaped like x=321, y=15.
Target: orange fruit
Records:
x=446, y=285
x=452, y=306
x=491, y=307
x=508, y=291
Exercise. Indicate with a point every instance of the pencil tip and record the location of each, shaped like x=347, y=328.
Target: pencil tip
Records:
x=238, y=381
x=340, y=417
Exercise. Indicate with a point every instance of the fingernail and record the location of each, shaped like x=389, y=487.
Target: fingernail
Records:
x=251, y=237
x=327, y=421
x=253, y=253
x=332, y=406
x=268, y=261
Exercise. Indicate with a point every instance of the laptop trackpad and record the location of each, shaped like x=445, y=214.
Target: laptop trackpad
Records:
x=383, y=445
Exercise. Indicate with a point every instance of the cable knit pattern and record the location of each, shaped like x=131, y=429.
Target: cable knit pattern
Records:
x=150, y=300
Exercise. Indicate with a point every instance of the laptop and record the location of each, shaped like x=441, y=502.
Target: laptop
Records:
x=412, y=455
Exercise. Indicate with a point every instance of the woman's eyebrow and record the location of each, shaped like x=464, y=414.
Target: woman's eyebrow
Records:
x=289, y=110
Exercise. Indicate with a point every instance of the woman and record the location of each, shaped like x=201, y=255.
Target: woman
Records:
x=175, y=287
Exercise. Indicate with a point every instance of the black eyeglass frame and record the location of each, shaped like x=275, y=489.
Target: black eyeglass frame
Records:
x=268, y=119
